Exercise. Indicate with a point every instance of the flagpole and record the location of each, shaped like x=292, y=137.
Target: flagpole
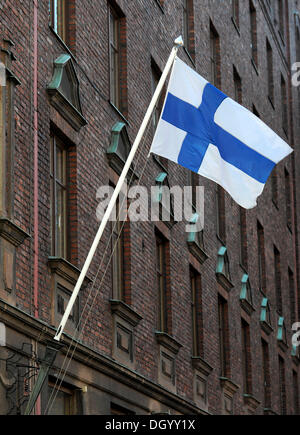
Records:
x=177, y=43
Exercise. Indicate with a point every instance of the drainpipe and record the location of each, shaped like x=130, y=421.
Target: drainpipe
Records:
x=35, y=159
x=294, y=187
x=35, y=173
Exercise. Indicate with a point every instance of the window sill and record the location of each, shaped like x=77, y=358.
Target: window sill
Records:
x=271, y=102
x=190, y=56
x=254, y=66
x=236, y=26
x=65, y=270
x=266, y=327
x=12, y=233
x=160, y=6
x=119, y=113
x=247, y=306
x=224, y=282
x=251, y=402
x=62, y=42
x=168, y=342
x=197, y=252
x=228, y=386
x=126, y=312
x=201, y=365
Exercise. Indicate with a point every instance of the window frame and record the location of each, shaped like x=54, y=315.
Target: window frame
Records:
x=61, y=251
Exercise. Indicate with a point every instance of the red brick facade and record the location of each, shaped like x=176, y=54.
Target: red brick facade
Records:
x=121, y=358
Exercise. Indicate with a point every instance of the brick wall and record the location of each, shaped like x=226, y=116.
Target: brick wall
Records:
x=149, y=33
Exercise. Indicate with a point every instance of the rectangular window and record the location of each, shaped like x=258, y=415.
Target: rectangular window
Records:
x=155, y=77
x=223, y=337
x=59, y=18
x=288, y=199
x=221, y=217
x=253, y=26
x=274, y=186
x=215, y=61
x=238, y=93
x=246, y=358
x=236, y=12
x=118, y=256
x=188, y=27
x=270, y=73
x=281, y=18
x=282, y=385
x=266, y=374
x=296, y=393
x=261, y=257
x=196, y=291
x=162, y=267
x=277, y=273
x=114, y=57
x=64, y=400
x=243, y=238
x=292, y=296
x=59, y=198
x=284, y=105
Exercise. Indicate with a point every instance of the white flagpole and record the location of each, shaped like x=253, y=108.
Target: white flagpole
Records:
x=177, y=43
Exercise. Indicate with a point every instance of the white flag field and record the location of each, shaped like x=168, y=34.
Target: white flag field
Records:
x=207, y=132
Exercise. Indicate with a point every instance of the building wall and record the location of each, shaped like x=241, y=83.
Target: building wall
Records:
x=139, y=385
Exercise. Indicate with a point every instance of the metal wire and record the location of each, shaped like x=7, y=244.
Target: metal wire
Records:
x=77, y=333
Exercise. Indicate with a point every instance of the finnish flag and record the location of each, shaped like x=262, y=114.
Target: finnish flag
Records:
x=205, y=131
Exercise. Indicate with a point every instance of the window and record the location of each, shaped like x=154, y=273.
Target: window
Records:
x=281, y=19
x=188, y=27
x=63, y=400
x=119, y=410
x=118, y=255
x=243, y=238
x=266, y=375
x=223, y=337
x=114, y=47
x=155, y=77
x=8, y=83
x=253, y=25
x=284, y=106
x=277, y=273
x=236, y=12
x=237, y=86
x=282, y=385
x=59, y=198
x=64, y=92
x=292, y=296
x=270, y=73
x=221, y=217
x=288, y=202
x=118, y=60
x=215, y=61
x=261, y=257
x=195, y=280
x=246, y=358
x=274, y=186
x=162, y=268
x=59, y=14
x=296, y=393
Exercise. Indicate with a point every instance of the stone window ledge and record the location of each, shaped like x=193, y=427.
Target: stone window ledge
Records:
x=126, y=312
x=12, y=233
x=201, y=365
x=229, y=387
x=65, y=270
x=251, y=402
x=168, y=342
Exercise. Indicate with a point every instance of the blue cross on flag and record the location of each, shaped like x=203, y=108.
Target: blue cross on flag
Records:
x=205, y=131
